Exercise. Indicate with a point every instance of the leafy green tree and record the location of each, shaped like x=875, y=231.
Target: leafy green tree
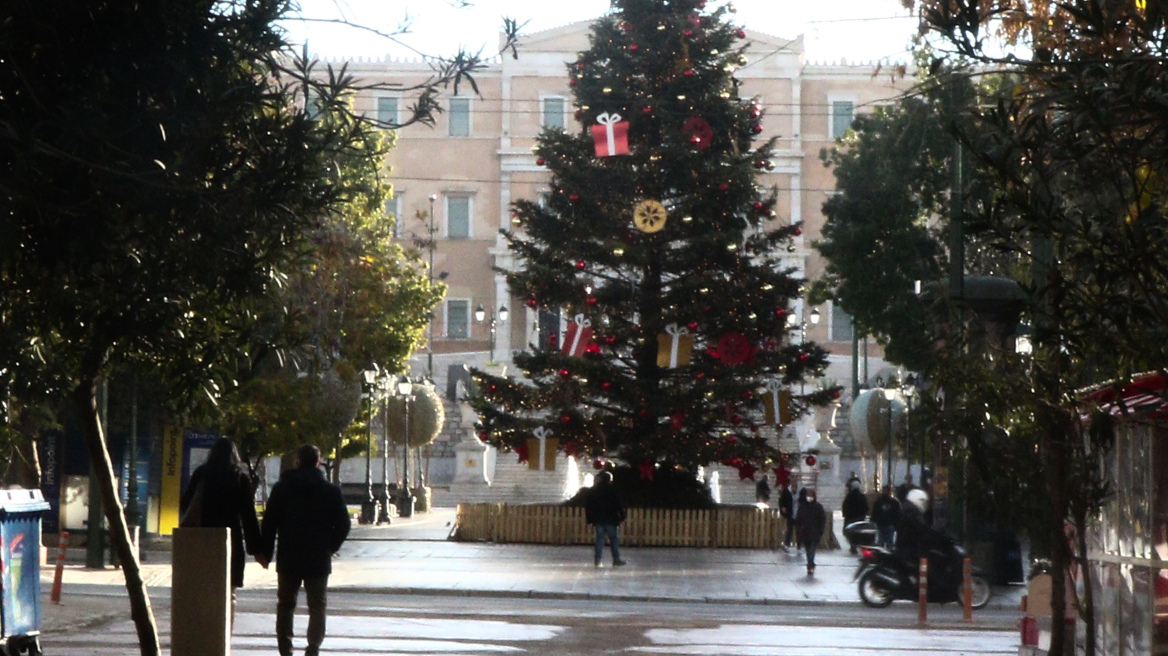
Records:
x=159, y=172
x=1077, y=156
x=713, y=267
x=359, y=299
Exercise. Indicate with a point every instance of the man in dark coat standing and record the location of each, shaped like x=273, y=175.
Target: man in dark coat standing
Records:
x=787, y=512
x=809, y=526
x=308, y=516
x=605, y=510
x=855, y=508
x=886, y=515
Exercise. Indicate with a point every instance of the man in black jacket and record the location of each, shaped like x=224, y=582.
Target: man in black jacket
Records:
x=605, y=510
x=886, y=515
x=308, y=516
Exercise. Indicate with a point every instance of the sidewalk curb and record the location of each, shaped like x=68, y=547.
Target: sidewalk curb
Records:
x=587, y=596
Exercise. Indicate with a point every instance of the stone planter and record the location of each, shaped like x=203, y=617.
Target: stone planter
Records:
x=825, y=416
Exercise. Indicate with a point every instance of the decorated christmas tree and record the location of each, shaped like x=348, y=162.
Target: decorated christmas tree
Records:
x=663, y=255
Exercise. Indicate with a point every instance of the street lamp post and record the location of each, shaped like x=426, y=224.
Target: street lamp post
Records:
x=405, y=506
x=481, y=314
x=385, y=384
x=369, y=507
x=793, y=321
x=430, y=340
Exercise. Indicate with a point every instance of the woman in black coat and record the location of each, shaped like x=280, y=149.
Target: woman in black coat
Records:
x=227, y=500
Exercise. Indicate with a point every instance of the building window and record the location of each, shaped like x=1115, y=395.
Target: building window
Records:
x=842, y=113
x=553, y=113
x=394, y=207
x=457, y=319
x=458, y=213
x=841, y=325
x=459, y=114
x=387, y=108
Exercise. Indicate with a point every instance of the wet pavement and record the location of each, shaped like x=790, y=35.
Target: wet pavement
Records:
x=765, y=599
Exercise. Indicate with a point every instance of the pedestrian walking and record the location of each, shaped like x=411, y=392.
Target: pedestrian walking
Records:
x=810, y=522
x=787, y=512
x=904, y=488
x=307, y=520
x=852, y=478
x=800, y=501
x=855, y=509
x=220, y=494
x=762, y=490
x=605, y=510
x=886, y=515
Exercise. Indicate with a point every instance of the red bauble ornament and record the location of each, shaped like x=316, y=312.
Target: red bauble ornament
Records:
x=702, y=135
x=734, y=348
x=760, y=164
x=606, y=385
x=732, y=441
x=725, y=186
x=647, y=109
x=736, y=419
x=532, y=303
x=483, y=436
x=565, y=419
x=592, y=349
x=591, y=300
x=689, y=72
x=676, y=420
x=575, y=198
x=781, y=312
x=798, y=231
x=581, y=264
x=700, y=375
x=741, y=34
x=759, y=206
x=688, y=33
x=492, y=388
x=572, y=82
x=756, y=128
x=580, y=65
x=747, y=395
x=804, y=357
x=647, y=468
x=610, y=340
x=598, y=464
x=692, y=326
x=564, y=373
x=810, y=460
x=757, y=111
x=540, y=161
x=634, y=47
x=521, y=451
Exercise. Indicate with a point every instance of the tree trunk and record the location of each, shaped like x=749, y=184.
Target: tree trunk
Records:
x=1055, y=443
x=1087, y=604
x=85, y=400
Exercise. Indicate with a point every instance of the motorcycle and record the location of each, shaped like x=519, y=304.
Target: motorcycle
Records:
x=885, y=577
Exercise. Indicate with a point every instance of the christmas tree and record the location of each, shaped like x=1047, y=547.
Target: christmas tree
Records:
x=664, y=256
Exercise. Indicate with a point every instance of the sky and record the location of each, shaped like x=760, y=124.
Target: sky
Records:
x=856, y=30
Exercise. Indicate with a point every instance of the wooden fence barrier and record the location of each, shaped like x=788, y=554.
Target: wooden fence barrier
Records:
x=736, y=527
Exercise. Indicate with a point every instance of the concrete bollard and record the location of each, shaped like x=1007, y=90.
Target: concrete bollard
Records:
x=55, y=595
x=200, y=596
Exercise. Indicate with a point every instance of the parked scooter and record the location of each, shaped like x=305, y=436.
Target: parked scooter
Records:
x=884, y=577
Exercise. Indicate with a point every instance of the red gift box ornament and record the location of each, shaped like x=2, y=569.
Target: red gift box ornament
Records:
x=611, y=135
x=578, y=336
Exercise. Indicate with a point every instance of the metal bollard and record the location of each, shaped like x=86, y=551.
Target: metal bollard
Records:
x=923, y=601
x=967, y=589
x=55, y=596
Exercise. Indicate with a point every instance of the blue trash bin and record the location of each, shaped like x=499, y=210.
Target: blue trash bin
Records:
x=20, y=571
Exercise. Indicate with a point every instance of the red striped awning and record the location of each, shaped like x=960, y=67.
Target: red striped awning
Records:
x=1144, y=395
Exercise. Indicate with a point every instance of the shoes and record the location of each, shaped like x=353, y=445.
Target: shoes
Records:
x=619, y=563
x=811, y=570
x=597, y=563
